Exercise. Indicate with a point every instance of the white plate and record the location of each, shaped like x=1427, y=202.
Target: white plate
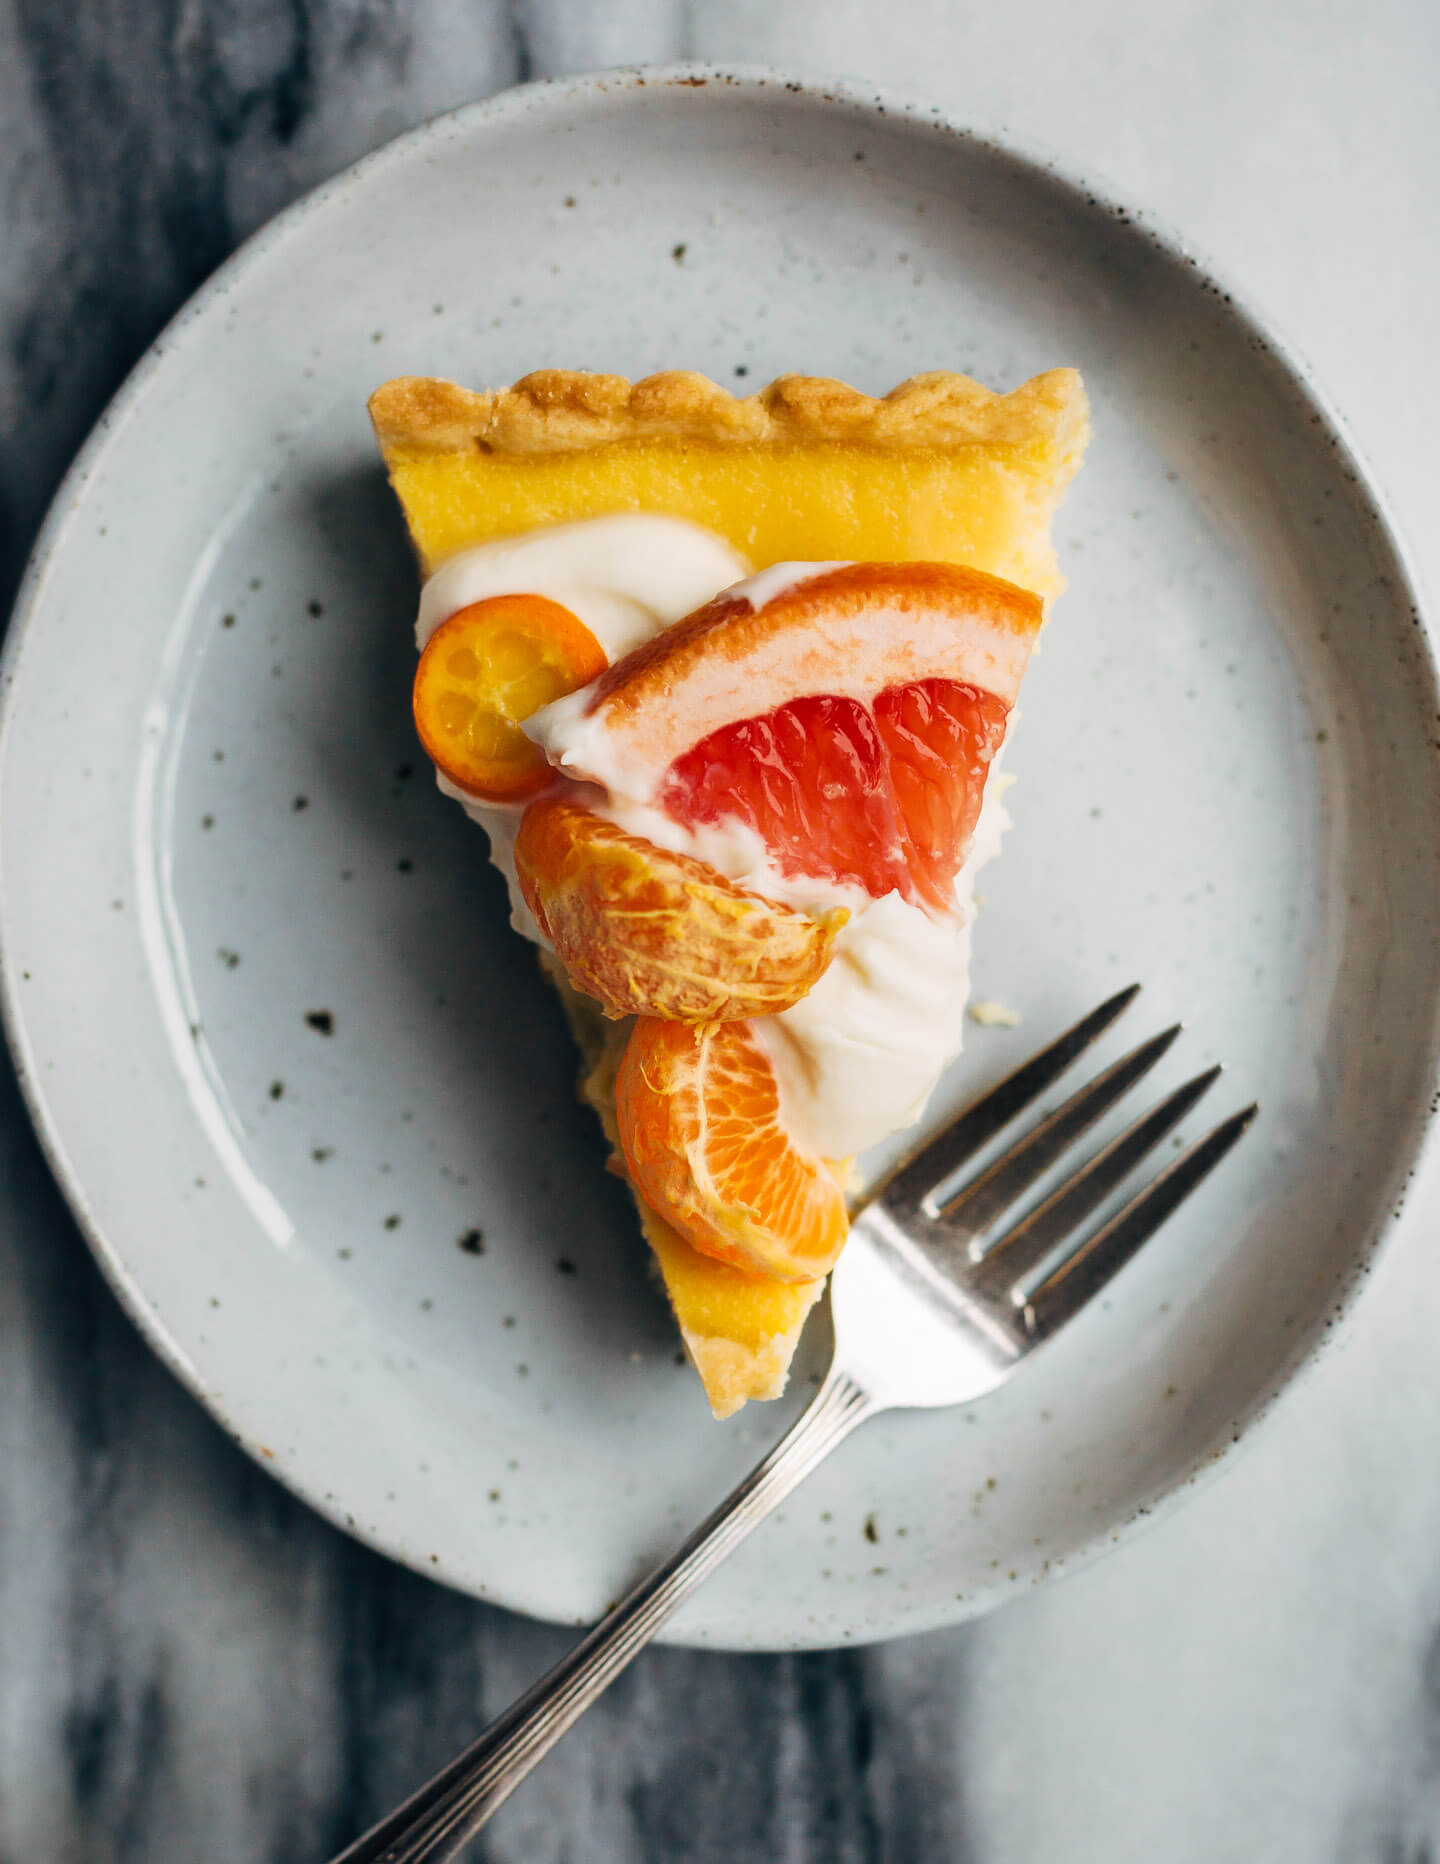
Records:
x=1228, y=788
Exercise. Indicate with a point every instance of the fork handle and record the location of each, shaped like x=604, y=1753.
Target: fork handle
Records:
x=436, y=1822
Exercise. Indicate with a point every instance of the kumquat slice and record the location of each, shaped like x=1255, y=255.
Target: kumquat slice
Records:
x=486, y=669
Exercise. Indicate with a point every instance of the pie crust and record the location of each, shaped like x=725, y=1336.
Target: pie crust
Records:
x=568, y=411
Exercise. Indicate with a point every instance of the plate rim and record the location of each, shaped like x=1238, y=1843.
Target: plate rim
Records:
x=1090, y=191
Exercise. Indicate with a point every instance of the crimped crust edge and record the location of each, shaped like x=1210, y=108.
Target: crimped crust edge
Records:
x=567, y=410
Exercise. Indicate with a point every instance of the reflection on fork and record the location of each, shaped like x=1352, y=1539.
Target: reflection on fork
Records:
x=933, y=1304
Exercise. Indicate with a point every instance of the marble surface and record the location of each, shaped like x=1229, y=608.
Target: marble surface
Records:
x=191, y=1665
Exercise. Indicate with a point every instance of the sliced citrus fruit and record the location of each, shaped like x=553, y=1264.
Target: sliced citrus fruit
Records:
x=484, y=670
x=650, y=932
x=885, y=796
x=850, y=718
x=700, y=1126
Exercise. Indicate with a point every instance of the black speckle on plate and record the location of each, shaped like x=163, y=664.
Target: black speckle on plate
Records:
x=321, y=1021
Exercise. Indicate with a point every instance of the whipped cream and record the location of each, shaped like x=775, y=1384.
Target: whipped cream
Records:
x=859, y=1056
x=763, y=587
x=625, y=577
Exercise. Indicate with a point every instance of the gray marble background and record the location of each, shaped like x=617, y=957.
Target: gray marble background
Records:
x=191, y=1665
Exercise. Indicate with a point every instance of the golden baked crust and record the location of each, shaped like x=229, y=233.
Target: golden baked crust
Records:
x=566, y=411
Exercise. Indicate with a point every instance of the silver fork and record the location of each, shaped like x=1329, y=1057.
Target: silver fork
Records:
x=929, y=1308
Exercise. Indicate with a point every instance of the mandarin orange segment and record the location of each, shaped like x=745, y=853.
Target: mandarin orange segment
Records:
x=652, y=933
x=483, y=671
x=700, y=1124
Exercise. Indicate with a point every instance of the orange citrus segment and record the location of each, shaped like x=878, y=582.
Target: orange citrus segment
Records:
x=653, y=933
x=483, y=671
x=699, y=1116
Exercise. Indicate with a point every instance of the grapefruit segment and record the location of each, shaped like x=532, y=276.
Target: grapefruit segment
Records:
x=646, y=931
x=483, y=671
x=850, y=633
x=941, y=737
x=700, y=1125
x=884, y=797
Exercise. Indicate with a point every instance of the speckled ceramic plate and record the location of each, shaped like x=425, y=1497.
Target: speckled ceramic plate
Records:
x=307, y=1094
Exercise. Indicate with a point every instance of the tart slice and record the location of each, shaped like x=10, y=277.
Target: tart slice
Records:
x=744, y=830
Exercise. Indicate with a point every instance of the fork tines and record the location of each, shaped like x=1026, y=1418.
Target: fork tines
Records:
x=1000, y=1272
x=1087, y=1269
